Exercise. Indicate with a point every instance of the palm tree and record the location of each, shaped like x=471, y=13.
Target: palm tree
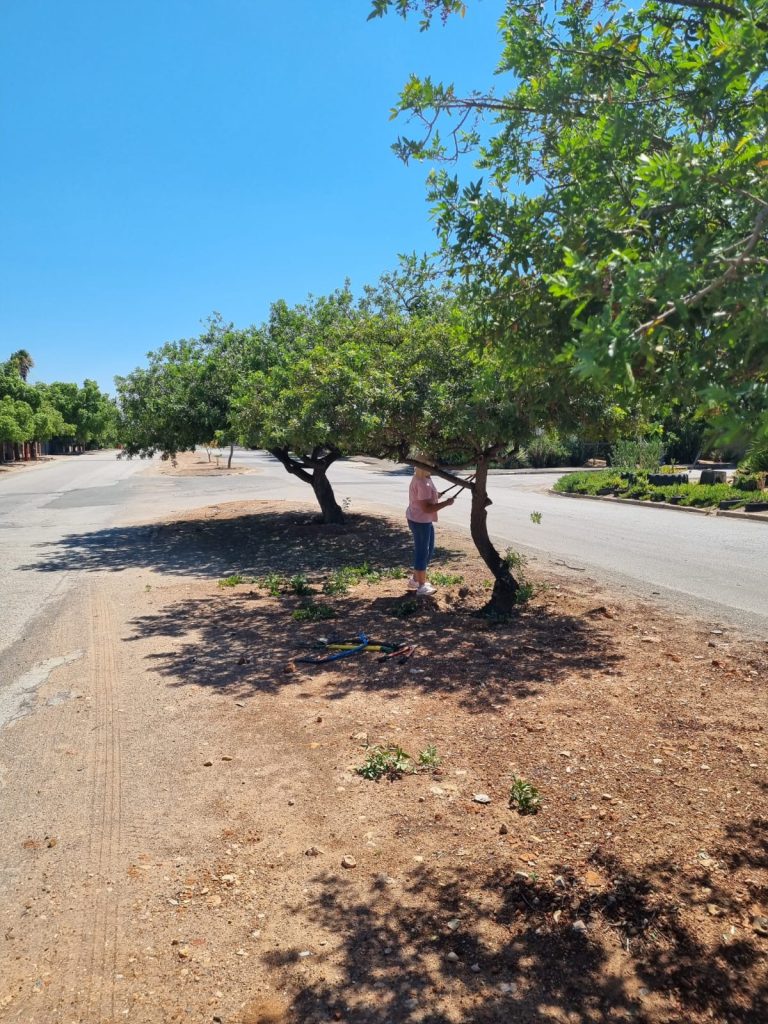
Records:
x=22, y=362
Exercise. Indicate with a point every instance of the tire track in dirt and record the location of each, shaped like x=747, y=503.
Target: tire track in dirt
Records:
x=99, y=939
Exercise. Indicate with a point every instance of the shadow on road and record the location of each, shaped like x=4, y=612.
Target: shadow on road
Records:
x=217, y=545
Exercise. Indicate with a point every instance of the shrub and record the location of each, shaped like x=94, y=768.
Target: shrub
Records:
x=757, y=456
x=547, y=449
x=636, y=486
x=645, y=453
x=589, y=483
x=750, y=481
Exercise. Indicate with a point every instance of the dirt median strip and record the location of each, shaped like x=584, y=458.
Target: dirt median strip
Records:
x=258, y=864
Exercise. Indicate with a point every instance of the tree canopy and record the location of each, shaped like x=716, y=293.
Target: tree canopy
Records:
x=625, y=173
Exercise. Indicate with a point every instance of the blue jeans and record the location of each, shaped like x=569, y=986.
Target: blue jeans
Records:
x=424, y=544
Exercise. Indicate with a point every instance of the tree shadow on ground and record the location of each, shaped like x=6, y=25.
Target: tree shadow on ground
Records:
x=489, y=947
x=218, y=545
x=244, y=642
x=246, y=645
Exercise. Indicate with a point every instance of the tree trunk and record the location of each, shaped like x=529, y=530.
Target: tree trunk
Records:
x=231, y=453
x=332, y=511
x=505, y=586
x=313, y=470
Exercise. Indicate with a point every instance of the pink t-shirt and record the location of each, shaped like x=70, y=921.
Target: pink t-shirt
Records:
x=421, y=489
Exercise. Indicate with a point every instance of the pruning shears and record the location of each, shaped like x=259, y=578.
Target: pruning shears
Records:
x=346, y=651
x=402, y=652
x=465, y=483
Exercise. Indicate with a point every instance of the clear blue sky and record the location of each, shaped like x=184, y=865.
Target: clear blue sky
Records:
x=162, y=159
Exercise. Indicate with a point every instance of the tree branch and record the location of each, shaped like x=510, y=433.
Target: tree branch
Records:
x=284, y=457
x=692, y=299
x=709, y=6
x=444, y=474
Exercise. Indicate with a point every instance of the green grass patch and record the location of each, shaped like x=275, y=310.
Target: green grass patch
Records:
x=340, y=581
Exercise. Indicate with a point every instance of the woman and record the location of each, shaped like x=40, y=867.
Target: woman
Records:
x=424, y=504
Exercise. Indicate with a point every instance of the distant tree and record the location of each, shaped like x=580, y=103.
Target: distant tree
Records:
x=184, y=396
x=20, y=362
x=28, y=415
x=91, y=415
x=15, y=424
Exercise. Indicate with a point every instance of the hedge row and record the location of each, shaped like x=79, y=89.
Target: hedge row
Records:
x=693, y=495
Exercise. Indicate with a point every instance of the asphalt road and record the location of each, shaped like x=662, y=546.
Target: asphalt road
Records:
x=713, y=566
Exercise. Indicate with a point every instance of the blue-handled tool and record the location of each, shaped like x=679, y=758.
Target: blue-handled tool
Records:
x=337, y=655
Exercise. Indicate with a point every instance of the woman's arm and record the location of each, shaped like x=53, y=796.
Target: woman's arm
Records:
x=434, y=506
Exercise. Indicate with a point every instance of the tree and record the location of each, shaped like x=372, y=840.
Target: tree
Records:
x=626, y=173
x=91, y=415
x=28, y=415
x=184, y=396
x=467, y=404
x=15, y=418
x=20, y=362
x=310, y=402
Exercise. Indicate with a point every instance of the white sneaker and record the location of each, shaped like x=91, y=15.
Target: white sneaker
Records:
x=425, y=590
x=412, y=584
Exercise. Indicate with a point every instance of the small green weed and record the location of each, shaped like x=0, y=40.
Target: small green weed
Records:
x=232, y=581
x=394, y=574
x=299, y=584
x=429, y=758
x=525, y=592
x=536, y=518
x=405, y=608
x=313, y=613
x=340, y=581
x=391, y=761
x=445, y=579
x=524, y=796
x=513, y=559
x=273, y=583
